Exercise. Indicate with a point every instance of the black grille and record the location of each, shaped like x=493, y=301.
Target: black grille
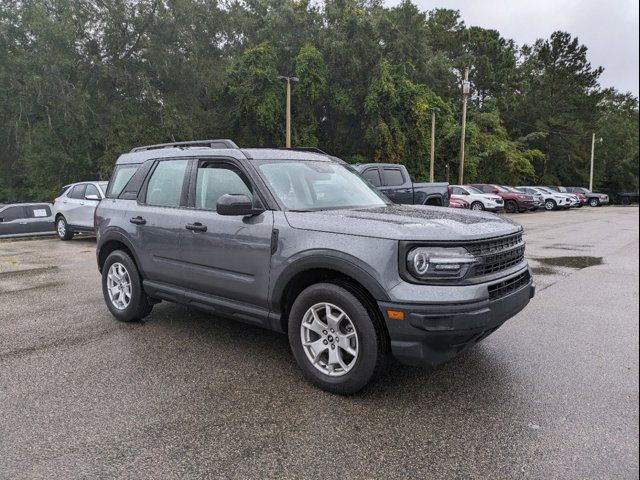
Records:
x=498, y=254
x=498, y=290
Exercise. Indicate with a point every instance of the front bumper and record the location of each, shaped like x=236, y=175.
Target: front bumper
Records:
x=433, y=334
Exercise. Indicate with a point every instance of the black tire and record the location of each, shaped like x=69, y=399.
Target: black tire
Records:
x=63, y=226
x=477, y=206
x=550, y=205
x=510, y=206
x=594, y=202
x=139, y=305
x=626, y=201
x=371, y=339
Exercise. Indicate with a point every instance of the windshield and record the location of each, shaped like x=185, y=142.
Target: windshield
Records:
x=474, y=191
x=546, y=190
x=502, y=189
x=313, y=185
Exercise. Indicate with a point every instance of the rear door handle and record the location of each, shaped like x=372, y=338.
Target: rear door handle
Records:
x=138, y=220
x=196, y=227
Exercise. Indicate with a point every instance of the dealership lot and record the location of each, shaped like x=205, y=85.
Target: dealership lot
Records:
x=553, y=393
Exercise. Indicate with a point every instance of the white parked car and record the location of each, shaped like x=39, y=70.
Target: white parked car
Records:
x=552, y=200
x=477, y=199
x=574, y=201
x=74, y=208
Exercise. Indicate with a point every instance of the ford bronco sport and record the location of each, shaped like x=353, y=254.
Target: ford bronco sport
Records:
x=297, y=241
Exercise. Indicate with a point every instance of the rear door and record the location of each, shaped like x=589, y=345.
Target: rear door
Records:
x=13, y=221
x=227, y=256
x=396, y=185
x=157, y=220
x=39, y=218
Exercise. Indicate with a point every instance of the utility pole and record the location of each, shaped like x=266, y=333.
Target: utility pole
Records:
x=288, y=114
x=433, y=143
x=466, y=88
x=593, y=154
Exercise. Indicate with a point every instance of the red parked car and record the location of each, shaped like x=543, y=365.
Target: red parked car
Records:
x=458, y=203
x=513, y=202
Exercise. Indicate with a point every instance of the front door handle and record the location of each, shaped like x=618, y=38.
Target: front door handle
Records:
x=196, y=227
x=138, y=220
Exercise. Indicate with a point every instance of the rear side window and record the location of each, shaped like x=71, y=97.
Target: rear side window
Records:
x=392, y=177
x=121, y=176
x=77, y=191
x=372, y=175
x=38, y=211
x=12, y=213
x=213, y=181
x=165, y=185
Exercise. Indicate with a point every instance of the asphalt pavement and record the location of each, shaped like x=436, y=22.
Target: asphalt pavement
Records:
x=552, y=394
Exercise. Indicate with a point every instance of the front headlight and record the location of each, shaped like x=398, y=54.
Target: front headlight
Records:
x=437, y=263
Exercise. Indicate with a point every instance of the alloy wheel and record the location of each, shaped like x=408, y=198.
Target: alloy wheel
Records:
x=119, y=286
x=62, y=228
x=329, y=339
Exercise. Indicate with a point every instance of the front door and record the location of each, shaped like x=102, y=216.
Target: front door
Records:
x=228, y=256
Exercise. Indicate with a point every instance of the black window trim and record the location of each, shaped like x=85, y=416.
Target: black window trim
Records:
x=377, y=170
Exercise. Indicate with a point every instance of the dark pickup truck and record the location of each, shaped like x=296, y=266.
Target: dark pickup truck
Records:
x=394, y=181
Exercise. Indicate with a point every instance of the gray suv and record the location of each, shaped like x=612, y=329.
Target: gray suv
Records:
x=296, y=241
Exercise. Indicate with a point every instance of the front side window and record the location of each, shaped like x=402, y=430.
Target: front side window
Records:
x=12, y=213
x=92, y=190
x=165, y=185
x=120, y=178
x=215, y=180
x=315, y=185
x=77, y=192
x=392, y=177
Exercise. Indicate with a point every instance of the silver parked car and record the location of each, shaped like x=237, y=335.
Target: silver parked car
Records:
x=74, y=208
x=25, y=219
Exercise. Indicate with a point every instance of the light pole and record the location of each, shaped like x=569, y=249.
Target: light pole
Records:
x=466, y=88
x=434, y=110
x=288, y=119
x=593, y=153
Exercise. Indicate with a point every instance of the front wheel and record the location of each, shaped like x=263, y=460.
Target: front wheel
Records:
x=550, y=205
x=477, y=206
x=594, y=202
x=334, y=338
x=510, y=206
x=62, y=229
x=122, y=288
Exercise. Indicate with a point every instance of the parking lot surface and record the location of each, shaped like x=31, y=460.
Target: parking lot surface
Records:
x=552, y=394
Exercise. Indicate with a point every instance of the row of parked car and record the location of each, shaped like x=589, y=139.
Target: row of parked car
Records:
x=523, y=198
x=73, y=209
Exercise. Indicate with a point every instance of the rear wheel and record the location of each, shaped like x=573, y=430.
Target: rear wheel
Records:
x=626, y=201
x=477, y=206
x=594, y=202
x=334, y=339
x=550, y=205
x=122, y=288
x=62, y=229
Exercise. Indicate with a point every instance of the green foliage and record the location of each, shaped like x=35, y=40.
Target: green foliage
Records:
x=82, y=82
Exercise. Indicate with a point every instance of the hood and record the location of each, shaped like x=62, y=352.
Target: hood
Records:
x=406, y=222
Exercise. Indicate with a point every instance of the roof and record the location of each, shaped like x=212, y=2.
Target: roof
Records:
x=188, y=149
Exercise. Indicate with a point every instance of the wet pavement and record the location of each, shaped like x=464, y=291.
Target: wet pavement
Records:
x=552, y=394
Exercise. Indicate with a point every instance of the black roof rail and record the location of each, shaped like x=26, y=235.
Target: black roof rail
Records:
x=304, y=149
x=218, y=143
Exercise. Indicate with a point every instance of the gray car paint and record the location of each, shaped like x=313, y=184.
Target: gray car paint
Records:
x=361, y=243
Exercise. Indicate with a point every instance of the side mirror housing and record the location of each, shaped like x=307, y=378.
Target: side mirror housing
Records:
x=236, y=205
x=92, y=197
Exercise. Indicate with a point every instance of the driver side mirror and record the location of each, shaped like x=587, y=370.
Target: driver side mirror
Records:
x=236, y=205
x=92, y=197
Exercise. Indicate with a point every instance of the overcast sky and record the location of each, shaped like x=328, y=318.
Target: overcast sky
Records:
x=608, y=28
